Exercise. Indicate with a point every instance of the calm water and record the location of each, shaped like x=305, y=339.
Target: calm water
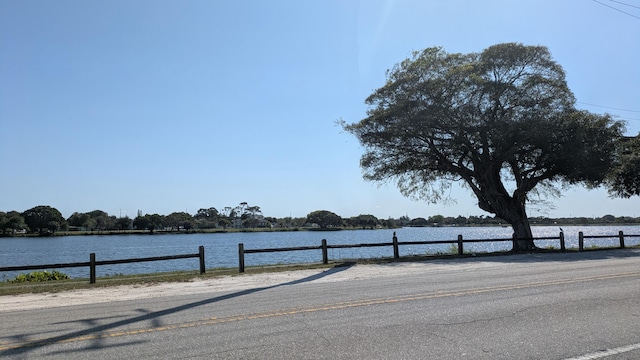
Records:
x=221, y=250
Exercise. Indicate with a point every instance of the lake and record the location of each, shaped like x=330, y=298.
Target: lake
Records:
x=221, y=249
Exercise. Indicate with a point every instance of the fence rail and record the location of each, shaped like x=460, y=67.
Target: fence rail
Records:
x=92, y=263
x=621, y=236
x=396, y=245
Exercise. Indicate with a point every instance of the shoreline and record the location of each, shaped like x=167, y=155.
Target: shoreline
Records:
x=253, y=230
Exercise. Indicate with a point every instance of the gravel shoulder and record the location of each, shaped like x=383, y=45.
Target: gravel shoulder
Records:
x=241, y=282
x=220, y=285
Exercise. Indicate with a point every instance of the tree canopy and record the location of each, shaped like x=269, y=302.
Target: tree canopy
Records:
x=502, y=122
x=44, y=219
x=624, y=178
x=324, y=219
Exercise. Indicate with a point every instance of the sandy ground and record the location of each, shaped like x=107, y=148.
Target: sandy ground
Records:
x=222, y=284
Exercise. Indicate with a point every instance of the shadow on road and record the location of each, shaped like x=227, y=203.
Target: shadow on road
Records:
x=23, y=345
x=533, y=257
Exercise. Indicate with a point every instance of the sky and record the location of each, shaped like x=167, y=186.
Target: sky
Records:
x=164, y=106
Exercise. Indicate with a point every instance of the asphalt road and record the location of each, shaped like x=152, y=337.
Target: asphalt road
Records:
x=546, y=306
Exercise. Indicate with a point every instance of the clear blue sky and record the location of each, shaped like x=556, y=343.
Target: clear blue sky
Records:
x=166, y=106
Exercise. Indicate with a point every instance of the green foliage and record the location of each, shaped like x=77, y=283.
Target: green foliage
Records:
x=97, y=220
x=207, y=218
x=324, y=219
x=11, y=222
x=148, y=222
x=502, y=121
x=624, y=179
x=178, y=220
x=364, y=221
x=44, y=219
x=39, y=276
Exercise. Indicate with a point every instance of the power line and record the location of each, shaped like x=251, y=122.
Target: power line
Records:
x=621, y=3
x=608, y=107
x=616, y=9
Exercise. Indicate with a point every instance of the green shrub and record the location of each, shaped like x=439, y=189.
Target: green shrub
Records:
x=36, y=276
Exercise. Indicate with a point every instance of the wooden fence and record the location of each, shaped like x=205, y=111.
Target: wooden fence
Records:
x=324, y=247
x=93, y=263
x=396, y=245
x=621, y=236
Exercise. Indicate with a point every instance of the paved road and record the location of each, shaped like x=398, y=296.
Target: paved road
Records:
x=551, y=306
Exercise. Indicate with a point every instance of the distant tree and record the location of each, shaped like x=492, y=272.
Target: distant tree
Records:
x=227, y=213
x=124, y=223
x=102, y=220
x=298, y=222
x=608, y=218
x=502, y=121
x=238, y=213
x=436, y=220
x=324, y=219
x=79, y=220
x=11, y=222
x=460, y=220
x=93, y=220
x=43, y=219
x=178, y=220
x=148, y=222
x=207, y=218
x=624, y=179
x=224, y=222
x=419, y=222
x=404, y=220
x=364, y=221
x=390, y=223
x=141, y=222
x=252, y=216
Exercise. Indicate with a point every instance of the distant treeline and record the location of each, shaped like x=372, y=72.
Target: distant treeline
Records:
x=46, y=220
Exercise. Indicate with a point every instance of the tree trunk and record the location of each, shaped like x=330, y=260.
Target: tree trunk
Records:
x=494, y=198
x=523, y=235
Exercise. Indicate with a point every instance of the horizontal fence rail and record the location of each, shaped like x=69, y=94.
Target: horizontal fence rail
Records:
x=92, y=263
x=396, y=244
x=621, y=236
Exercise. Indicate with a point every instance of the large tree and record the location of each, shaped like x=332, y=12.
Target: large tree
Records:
x=324, y=219
x=207, y=218
x=177, y=220
x=44, y=219
x=502, y=122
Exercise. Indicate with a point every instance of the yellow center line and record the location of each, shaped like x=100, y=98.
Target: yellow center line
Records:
x=302, y=310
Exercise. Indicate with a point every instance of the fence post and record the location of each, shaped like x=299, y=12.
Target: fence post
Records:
x=241, y=257
x=562, y=246
x=621, y=234
x=514, y=239
x=92, y=268
x=201, y=254
x=396, y=251
x=325, y=254
x=460, y=246
x=580, y=241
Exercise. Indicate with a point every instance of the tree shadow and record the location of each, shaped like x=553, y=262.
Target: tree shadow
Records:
x=23, y=345
x=540, y=255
